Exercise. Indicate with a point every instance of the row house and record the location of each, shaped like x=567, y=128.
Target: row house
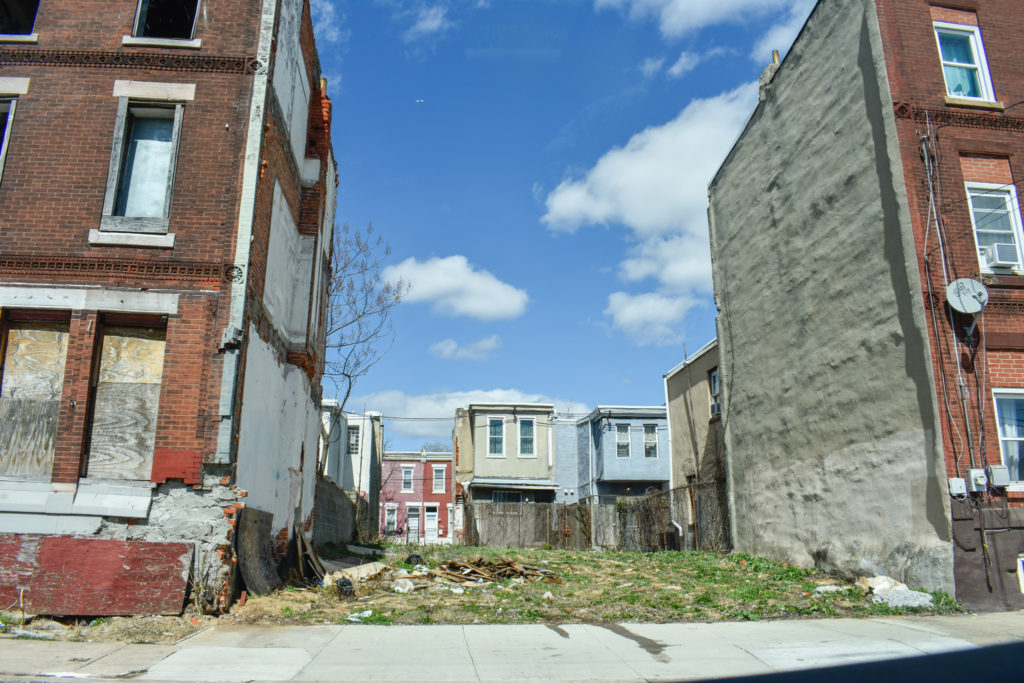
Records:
x=868, y=264
x=693, y=398
x=416, y=498
x=352, y=451
x=167, y=194
x=528, y=453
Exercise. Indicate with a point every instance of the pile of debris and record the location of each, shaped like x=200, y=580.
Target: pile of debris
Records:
x=496, y=572
x=358, y=580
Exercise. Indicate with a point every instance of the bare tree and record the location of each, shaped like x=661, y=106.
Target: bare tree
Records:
x=359, y=331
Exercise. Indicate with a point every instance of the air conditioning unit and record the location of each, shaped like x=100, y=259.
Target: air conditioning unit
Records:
x=1000, y=255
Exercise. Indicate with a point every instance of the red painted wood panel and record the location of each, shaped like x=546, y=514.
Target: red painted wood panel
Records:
x=63, y=575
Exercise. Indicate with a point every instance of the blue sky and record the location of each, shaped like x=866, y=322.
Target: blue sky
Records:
x=539, y=168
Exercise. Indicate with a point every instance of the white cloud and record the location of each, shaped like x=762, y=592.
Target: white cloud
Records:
x=679, y=17
x=441, y=407
x=656, y=186
x=454, y=288
x=327, y=23
x=651, y=66
x=649, y=319
x=429, y=21
x=686, y=63
x=656, y=183
x=679, y=263
x=781, y=36
x=478, y=350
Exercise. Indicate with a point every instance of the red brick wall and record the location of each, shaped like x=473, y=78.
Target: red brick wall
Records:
x=968, y=144
x=53, y=186
x=225, y=28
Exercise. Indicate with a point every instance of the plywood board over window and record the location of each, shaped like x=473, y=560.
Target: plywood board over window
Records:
x=125, y=404
x=33, y=377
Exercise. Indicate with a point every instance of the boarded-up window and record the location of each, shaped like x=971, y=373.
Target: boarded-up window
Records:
x=33, y=377
x=125, y=403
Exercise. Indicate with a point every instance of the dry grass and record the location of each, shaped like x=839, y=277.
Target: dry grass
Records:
x=596, y=587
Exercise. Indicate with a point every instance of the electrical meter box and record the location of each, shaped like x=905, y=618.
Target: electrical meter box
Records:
x=998, y=475
x=957, y=486
x=977, y=482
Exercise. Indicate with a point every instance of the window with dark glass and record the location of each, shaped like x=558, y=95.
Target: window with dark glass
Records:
x=17, y=16
x=166, y=19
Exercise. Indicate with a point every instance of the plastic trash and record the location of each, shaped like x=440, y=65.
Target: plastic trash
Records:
x=358, y=617
x=344, y=586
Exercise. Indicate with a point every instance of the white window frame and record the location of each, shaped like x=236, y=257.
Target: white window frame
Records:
x=998, y=393
x=348, y=438
x=411, y=469
x=490, y=453
x=653, y=427
x=981, y=61
x=111, y=222
x=444, y=479
x=715, y=391
x=1015, y=219
x=11, y=102
x=390, y=508
x=10, y=89
x=618, y=441
x=533, y=438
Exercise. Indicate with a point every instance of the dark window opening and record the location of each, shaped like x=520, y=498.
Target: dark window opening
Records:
x=17, y=16
x=166, y=19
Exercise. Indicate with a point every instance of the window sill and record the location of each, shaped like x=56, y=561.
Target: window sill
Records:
x=135, y=224
x=975, y=103
x=496, y=457
x=132, y=41
x=1005, y=280
x=527, y=457
x=131, y=239
x=19, y=37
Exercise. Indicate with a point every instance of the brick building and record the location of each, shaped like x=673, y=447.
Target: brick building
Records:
x=166, y=210
x=874, y=414
x=416, y=497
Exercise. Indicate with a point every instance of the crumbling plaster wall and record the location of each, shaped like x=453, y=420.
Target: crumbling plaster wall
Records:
x=204, y=517
x=830, y=418
x=291, y=83
x=279, y=436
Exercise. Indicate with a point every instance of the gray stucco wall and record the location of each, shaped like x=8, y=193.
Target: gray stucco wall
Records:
x=829, y=410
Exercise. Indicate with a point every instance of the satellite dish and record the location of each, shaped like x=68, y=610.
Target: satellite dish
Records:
x=967, y=296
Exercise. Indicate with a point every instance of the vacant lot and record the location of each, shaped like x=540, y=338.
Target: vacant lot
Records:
x=594, y=587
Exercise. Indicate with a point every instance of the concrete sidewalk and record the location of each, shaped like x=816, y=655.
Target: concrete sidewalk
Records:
x=626, y=652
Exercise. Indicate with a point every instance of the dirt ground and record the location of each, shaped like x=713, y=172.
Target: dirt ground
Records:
x=590, y=587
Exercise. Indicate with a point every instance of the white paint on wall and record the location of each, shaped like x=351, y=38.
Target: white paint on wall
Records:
x=289, y=263
x=291, y=82
x=279, y=432
x=151, y=90
x=88, y=299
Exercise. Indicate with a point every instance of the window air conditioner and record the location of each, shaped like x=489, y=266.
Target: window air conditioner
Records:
x=1000, y=255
